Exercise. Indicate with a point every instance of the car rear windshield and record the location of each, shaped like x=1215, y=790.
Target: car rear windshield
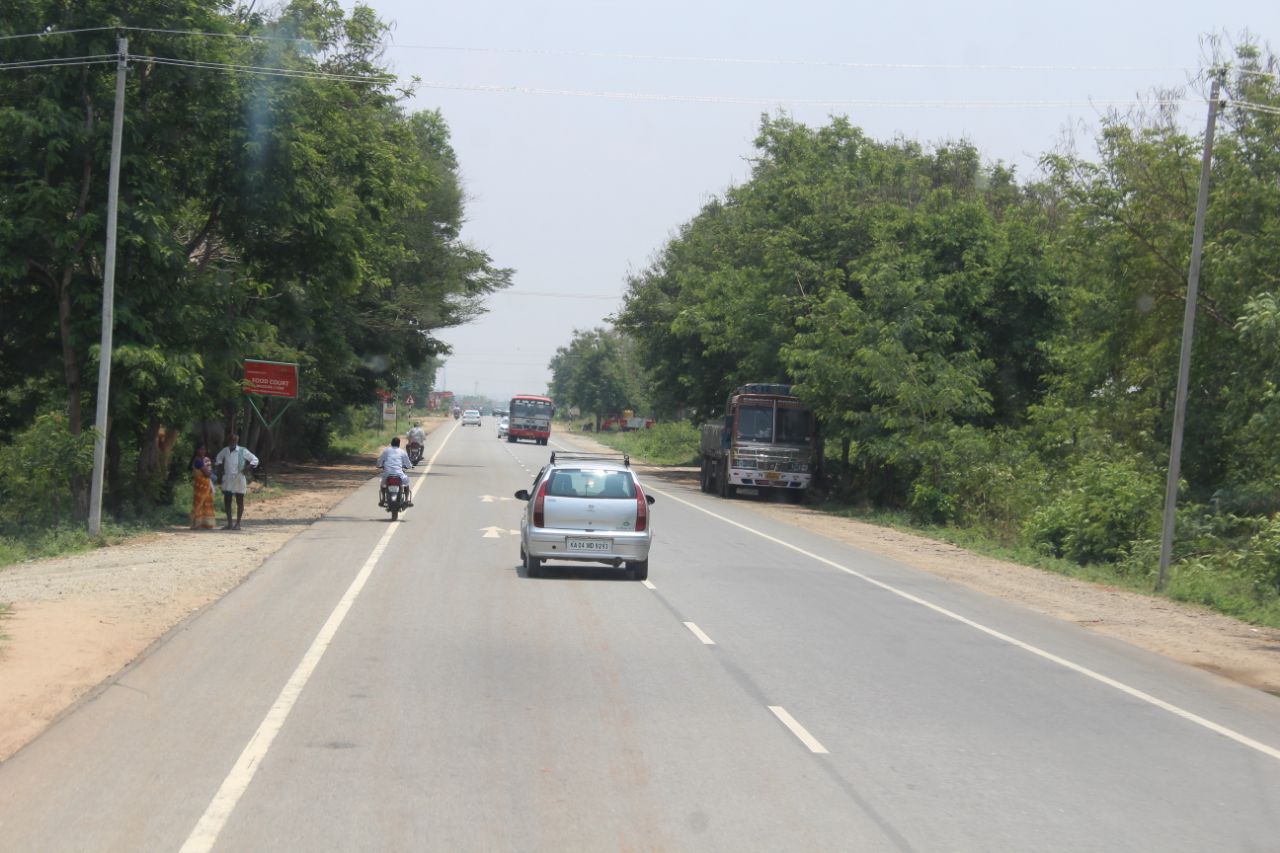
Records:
x=582, y=483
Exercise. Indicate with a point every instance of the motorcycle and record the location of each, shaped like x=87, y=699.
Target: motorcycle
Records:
x=415, y=452
x=395, y=495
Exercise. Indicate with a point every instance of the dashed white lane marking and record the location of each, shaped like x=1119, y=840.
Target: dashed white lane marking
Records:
x=648, y=584
x=798, y=730
x=210, y=825
x=698, y=632
x=1134, y=692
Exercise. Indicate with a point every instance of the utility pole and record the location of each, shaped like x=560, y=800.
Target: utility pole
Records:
x=108, y=299
x=1188, y=330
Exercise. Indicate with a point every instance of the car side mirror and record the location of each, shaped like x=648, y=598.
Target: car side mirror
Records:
x=523, y=494
x=649, y=499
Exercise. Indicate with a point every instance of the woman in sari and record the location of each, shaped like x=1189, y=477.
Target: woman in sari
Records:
x=202, y=517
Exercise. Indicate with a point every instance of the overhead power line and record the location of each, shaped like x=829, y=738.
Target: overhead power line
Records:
x=655, y=57
x=1269, y=109
x=267, y=70
x=553, y=295
x=55, y=61
x=804, y=102
x=49, y=33
x=815, y=63
x=1253, y=73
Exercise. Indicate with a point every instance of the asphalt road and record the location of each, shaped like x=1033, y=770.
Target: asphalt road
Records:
x=404, y=687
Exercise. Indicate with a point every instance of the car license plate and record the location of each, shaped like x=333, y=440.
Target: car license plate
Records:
x=588, y=544
x=771, y=475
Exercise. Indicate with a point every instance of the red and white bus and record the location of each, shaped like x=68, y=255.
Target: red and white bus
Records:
x=529, y=417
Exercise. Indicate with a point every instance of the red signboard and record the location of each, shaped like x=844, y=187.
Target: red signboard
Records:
x=271, y=378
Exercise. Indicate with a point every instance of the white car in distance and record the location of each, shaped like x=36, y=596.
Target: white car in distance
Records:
x=471, y=417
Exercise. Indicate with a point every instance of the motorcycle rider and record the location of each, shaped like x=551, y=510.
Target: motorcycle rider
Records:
x=395, y=462
x=417, y=436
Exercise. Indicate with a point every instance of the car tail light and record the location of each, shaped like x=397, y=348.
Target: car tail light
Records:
x=393, y=481
x=642, y=510
x=538, y=502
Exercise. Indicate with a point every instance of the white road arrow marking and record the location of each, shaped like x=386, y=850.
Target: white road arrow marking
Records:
x=492, y=532
x=488, y=499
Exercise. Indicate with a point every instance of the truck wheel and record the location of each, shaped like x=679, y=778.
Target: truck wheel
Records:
x=727, y=490
x=511, y=439
x=703, y=481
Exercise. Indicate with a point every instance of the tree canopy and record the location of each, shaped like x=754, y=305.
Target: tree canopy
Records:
x=299, y=215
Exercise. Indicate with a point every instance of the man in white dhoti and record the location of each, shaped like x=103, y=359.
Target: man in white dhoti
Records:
x=234, y=460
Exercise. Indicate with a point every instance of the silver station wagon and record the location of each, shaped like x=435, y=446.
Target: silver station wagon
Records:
x=586, y=507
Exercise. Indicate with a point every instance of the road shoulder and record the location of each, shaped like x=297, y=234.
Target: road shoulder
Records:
x=78, y=620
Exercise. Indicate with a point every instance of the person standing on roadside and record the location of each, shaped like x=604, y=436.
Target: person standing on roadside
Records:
x=233, y=460
x=202, y=515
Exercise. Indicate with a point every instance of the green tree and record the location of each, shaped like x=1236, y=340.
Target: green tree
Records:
x=591, y=374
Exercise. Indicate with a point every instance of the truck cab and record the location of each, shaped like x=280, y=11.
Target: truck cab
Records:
x=765, y=441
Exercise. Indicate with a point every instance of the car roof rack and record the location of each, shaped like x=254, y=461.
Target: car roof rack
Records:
x=580, y=456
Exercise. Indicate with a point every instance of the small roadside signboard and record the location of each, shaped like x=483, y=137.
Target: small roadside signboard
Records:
x=270, y=379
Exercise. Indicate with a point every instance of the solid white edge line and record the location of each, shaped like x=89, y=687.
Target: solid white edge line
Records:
x=1134, y=692
x=698, y=632
x=798, y=730
x=648, y=585
x=215, y=817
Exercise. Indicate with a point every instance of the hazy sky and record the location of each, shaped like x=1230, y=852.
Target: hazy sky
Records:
x=574, y=191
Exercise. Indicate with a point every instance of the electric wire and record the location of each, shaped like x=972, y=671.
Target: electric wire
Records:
x=501, y=89
x=241, y=36
x=1269, y=109
x=545, y=294
x=386, y=79
x=56, y=61
x=1252, y=73
x=47, y=33
x=655, y=57
x=817, y=63
x=271, y=71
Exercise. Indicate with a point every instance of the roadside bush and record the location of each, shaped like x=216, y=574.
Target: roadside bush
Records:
x=36, y=471
x=1105, y=505
x=674, y=443
x=988, y=478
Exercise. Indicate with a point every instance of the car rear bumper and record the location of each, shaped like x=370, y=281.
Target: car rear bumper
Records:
x=552, y=545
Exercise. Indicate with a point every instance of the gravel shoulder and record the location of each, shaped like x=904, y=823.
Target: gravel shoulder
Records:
x=78, y=620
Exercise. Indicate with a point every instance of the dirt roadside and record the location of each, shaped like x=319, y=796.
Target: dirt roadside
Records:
x=78, y=620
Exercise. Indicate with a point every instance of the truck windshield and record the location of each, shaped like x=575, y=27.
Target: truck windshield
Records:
x=794, y=427
x=767, y=425
x=755, y=423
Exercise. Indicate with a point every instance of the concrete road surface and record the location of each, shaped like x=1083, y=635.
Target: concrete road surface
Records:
x=379, y=686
